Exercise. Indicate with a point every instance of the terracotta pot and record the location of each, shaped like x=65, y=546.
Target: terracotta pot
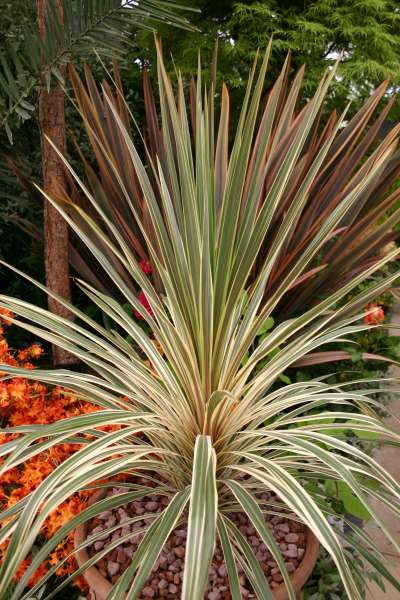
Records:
x=303, y=571
x=100, y=586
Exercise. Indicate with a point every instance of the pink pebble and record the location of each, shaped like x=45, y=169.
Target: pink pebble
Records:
x=112, y=568
x=98, y=545
x=148, y=592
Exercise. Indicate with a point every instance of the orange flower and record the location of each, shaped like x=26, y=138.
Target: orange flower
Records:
x=3, y=347
x=37, y=575
x=17, y=389
x=6, y=316
x=4, y=396
x=32, y=403
x=35, y=351
x=23, y=354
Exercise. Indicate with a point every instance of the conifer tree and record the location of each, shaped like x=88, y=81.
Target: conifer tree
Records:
x=365, y=34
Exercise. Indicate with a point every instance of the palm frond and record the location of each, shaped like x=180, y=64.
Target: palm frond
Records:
x=105, y=25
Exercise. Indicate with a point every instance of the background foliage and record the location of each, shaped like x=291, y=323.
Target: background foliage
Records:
x=364, y=32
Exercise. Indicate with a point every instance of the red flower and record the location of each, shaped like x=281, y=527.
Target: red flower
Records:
x=375, y=315
x=144, y=302
x=146, y=266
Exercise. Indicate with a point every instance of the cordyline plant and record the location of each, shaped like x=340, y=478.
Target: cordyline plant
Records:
x=355, y=241
x=215, y=427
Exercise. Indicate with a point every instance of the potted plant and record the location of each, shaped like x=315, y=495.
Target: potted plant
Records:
x=197, y=438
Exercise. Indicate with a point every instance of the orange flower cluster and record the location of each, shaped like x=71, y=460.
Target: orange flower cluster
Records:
x=26, y=402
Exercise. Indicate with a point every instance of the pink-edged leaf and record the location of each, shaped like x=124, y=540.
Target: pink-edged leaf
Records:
x=319, y=358
x=306, y=276
x=395, y=292
x=221, y=152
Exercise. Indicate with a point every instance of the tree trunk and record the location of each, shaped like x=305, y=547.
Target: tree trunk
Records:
x=52, y=125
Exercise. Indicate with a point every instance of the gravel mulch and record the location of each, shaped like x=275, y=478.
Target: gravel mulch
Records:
x=166, y=577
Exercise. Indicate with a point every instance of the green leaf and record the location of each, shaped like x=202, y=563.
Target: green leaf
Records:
x=266, y=326
x=351, y=503
x=202, y=521
x=229, y=559
x=253, y=511
x=367, y=435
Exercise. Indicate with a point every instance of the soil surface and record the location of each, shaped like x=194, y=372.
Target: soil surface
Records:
x=166, y=577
